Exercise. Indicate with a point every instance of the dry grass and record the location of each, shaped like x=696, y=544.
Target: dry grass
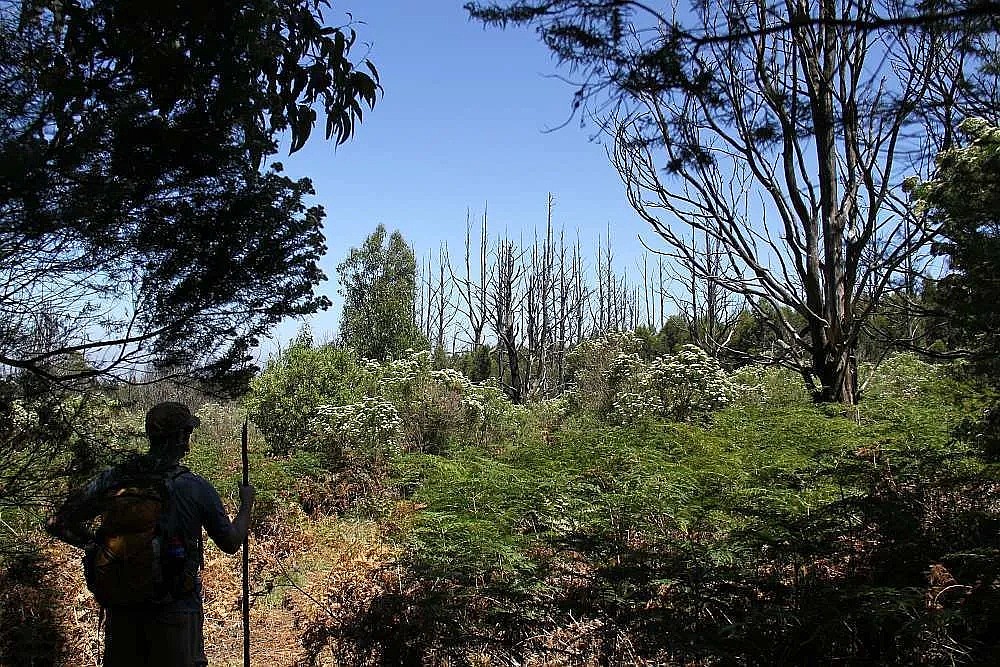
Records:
x=304, y=573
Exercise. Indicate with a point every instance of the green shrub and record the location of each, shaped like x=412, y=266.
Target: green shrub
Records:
x=601, y=369
x=688, y=384
x=368, y=431
x=612, y=381
x=756, y=384
x=785, y=532
x=286, y=395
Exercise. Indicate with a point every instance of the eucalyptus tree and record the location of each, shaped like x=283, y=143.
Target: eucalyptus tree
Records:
x=378, y=281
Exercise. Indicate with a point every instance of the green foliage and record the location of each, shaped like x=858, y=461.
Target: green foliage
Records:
x=785, y=533
x=599, y=367
x=668, y=340
x=477, y=364
x=358, y=418
x=775, y=386
x=963, y=198
x=280, y=481
x=754, y=332
x=134, y=202
x=50, y=442
x=286, y=395
x=614, y=382
x=378, y=283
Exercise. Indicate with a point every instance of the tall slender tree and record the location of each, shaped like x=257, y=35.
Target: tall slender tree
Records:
x=378, y=282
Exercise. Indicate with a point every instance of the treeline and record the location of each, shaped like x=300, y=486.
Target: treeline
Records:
x=513, y=309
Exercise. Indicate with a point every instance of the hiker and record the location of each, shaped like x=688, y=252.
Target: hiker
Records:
x=151, y=620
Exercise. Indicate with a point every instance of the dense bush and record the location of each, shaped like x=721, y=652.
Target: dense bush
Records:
x=599, y=370
x=369, y=415
x=51, y=441
x=784, y=533
x=775, y=386
x=777, y=532
x=612, y=380
x=285, y=396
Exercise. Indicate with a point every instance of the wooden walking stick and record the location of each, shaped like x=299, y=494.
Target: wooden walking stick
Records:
x=246, y=559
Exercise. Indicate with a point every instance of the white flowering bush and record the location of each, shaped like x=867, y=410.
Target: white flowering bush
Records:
x=689, y=383
x=21, y=417
x=750, y=384
x=369, y=431
x=757, y=384
x=285, y=396
x=678, y=387
x=219, y=423
x=402, y=380
x=611, y=380
x=50, y=441
x=406, y=405
x=632, y=407
x=901, y=376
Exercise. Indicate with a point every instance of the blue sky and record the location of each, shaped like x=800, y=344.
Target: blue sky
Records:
x=463, y=122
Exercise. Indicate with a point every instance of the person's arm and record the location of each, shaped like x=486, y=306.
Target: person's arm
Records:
x=229, y=535
x=241, y=524
x=71, y=522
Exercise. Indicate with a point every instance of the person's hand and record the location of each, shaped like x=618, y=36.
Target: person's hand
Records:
x=247, y=494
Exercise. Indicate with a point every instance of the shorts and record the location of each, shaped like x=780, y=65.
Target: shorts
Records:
x=154, y=638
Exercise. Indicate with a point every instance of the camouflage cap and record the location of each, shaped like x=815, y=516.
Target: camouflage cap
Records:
x=170, y=417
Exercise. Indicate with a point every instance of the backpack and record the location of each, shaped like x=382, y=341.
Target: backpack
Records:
x=140, y=557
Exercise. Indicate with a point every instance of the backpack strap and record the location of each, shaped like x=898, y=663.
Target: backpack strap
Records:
x=175, y=472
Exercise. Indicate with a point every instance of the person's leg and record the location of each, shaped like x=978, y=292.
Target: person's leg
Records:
x=123, y=638
x=174, y=639
x=200, y=659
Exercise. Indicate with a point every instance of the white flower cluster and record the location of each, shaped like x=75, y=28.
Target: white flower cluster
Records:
x=23, y=418
x=402, y=377
x=750, y=383
x=677, y=386
x=603, y=368
x=452, y=378
x=635, y=406
x=405, y=402
x=371, y=427
x=901, y=375
x=605, y=348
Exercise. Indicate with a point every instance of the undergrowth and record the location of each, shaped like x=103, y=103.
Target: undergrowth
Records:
x=782, y=532
x=773, y=531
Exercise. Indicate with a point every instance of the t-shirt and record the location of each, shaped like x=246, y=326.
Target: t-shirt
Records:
x=196, y=505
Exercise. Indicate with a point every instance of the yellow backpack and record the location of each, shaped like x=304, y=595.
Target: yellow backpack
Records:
x=140, y=557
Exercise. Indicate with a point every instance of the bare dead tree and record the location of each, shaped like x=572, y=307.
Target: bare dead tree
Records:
x=541, y=308
x=709, y=311
x=472, y=286
x=506, y=300
x=563, y=308
x=444, y=303
x=812, y=120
